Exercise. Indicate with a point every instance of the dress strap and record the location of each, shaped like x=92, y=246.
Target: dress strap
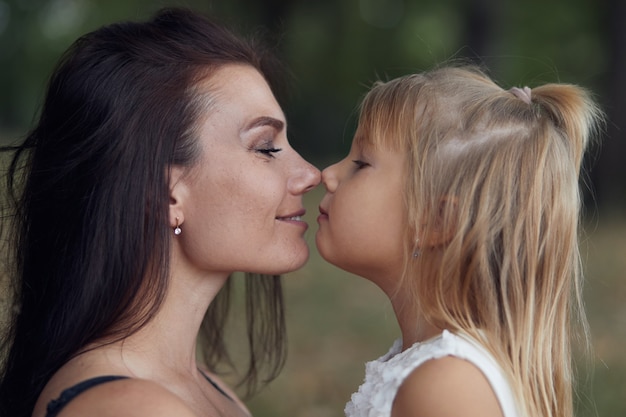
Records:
x=55, y=406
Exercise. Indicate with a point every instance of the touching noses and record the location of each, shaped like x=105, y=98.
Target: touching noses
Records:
x=305, y=178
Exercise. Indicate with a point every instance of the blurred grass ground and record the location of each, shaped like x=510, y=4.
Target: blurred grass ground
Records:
x=604, y=255
x=337, y=322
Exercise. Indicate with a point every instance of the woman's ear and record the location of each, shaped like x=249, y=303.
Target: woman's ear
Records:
x=443, y=224
x=178, y=195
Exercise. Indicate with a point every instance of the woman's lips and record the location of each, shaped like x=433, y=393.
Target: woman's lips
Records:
x=294, y=218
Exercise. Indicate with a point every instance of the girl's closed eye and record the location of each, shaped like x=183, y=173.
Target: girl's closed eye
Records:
x=360, y=164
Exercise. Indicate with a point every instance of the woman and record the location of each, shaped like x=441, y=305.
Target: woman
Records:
x=159, y=166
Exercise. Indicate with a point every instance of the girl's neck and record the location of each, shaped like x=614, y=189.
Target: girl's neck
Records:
x=413, y=326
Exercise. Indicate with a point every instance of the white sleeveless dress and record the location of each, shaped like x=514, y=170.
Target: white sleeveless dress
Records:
x=384, y=376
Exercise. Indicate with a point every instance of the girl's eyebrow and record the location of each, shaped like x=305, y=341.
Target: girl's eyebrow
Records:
x=278, y=125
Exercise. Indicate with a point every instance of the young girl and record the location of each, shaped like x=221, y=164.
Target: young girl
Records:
x=460, y=200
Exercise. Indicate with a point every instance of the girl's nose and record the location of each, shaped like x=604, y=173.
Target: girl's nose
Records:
x=329, y=177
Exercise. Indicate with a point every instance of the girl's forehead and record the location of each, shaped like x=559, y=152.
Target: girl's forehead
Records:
x=377, y=139
x=364, y=142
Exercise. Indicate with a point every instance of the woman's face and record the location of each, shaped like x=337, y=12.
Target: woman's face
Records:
x=240, y=207
x=362, y=222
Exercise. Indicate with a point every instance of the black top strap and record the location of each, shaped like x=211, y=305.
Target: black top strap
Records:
x=55, y=406
x=217, y=387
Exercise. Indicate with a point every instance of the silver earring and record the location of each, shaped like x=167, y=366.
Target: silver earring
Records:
x=416, y=252
x=177, y=229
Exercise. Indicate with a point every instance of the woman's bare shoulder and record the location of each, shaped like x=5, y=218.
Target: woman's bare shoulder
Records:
x=446, y=387
x=126, y=398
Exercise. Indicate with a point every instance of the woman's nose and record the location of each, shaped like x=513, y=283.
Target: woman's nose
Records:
x=307, y=176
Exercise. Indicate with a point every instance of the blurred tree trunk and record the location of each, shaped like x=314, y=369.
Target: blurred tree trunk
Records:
x=609, y=172
x=274, y=15
x=480, y=27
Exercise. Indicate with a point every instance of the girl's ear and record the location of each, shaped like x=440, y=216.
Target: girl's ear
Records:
x=443, y=226
x=178, y=195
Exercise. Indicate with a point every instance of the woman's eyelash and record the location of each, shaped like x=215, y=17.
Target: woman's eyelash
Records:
x=360, y=164
x=269, y=151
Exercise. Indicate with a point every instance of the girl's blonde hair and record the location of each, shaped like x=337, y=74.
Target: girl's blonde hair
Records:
x=495, y=179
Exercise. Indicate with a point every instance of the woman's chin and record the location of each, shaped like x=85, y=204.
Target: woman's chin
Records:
x=285, y=266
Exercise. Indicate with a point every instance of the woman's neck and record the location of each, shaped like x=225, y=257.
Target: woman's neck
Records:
x=169, y=339
x=165, y=347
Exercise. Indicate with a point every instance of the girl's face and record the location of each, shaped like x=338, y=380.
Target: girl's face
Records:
x=240, y=207
x=362, y=222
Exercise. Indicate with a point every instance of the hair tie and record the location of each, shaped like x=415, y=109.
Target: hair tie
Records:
x=521, y=93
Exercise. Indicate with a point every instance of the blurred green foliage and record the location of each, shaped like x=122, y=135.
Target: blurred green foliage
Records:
x=336, y=49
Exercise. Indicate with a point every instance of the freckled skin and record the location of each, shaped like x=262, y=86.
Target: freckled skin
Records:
x=237, y=196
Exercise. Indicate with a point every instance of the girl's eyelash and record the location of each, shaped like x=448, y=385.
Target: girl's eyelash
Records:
x=360, y=164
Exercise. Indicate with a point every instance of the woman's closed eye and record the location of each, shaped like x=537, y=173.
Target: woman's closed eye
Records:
x=268, y=150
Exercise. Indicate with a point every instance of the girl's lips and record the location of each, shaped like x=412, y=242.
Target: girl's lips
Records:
x=323, y=215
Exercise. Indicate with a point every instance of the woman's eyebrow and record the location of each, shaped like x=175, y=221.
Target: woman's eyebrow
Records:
x=278, y=125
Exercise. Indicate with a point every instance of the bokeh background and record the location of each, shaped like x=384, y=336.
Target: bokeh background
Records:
x=334, y=51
